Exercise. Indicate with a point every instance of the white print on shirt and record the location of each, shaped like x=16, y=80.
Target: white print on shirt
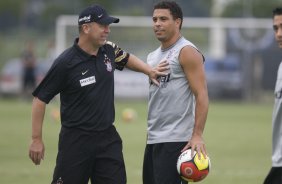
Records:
x=87, y=81
x=60, y=181
x=108, y=63
x=83, y=73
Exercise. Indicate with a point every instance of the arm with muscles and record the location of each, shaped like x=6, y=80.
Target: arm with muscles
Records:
x=192, y=63
x=36, y=148
x=136, y=64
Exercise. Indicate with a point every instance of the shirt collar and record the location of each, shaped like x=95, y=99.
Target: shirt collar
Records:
x=82, y=52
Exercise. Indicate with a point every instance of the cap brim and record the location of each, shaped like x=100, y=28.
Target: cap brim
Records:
x=108, y=20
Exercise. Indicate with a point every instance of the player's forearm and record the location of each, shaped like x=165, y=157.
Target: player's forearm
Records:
x=38, y=111
x=201, y=112
x=136, y=64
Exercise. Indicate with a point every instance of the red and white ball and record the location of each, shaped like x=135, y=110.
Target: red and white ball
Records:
x=193, y=169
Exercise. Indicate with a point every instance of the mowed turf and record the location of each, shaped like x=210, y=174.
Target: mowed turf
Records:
x=237, y=135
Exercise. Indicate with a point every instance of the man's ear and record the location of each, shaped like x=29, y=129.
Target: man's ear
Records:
x=178, y=22
x=85, y=28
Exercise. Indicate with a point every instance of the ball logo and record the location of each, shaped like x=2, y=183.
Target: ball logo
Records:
x=188, y=171
x=191, y=168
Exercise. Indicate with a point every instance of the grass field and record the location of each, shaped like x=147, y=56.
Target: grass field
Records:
x=237, y=135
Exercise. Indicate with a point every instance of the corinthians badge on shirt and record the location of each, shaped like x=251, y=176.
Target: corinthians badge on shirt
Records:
x=108, y=63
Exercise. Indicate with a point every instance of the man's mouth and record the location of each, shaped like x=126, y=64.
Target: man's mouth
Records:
x=158, y=31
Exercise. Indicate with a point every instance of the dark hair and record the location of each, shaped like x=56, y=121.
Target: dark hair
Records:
x=277, y=11
x=173, y=7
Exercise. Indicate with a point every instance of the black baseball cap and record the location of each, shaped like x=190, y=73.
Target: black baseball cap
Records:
x=96, y=13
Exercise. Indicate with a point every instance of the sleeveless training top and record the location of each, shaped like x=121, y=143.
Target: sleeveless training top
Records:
x=277, y=122
x=171, y=108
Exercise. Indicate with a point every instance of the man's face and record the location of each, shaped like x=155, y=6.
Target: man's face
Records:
x=97, y=33
x=277, y=27
x=164, y=24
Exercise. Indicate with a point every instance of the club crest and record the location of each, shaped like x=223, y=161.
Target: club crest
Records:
x=59, y=181
x=108, y=63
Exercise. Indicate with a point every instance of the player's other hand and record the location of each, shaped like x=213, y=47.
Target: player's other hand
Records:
x=196, y=144
x=36, y=151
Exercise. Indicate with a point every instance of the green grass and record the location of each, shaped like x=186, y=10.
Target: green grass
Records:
x=237, y=135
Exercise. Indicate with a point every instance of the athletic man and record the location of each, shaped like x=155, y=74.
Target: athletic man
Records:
x=275, y=174
x=83, y=75
x=178, y=107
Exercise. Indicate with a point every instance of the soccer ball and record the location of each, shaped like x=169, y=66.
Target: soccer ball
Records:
x=55, y=115
x=129, y=115
x=192, y=169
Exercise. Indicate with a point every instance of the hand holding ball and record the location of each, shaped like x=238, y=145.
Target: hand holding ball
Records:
x=193, y=169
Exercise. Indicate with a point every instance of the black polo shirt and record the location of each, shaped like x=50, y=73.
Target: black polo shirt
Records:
x=86, y=86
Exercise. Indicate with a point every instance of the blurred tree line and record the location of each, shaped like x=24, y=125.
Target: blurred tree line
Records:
x=41, y=14
x=251, y=8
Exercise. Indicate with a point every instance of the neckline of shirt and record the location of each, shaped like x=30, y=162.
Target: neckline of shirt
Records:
x=85, y=54
x=168, y=48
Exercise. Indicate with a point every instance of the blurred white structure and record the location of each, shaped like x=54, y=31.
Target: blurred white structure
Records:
x=216, y=26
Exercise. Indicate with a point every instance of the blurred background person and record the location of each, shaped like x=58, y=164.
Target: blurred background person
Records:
x=51, y=51
x=28, y=73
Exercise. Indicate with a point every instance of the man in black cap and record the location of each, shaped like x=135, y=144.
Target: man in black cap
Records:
x=83, y=75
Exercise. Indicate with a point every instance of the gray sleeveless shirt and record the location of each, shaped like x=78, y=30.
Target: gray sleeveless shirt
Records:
x=277, y=122
x=171, y=107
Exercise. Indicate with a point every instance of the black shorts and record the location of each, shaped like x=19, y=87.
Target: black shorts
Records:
x=159, y=165
x=274, y=176
x=84, y=156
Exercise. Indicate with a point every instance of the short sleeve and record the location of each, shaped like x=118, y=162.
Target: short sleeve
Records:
x=121, y=57
x=53, y=83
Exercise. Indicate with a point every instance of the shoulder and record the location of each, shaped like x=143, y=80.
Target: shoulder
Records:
x=65, y=55
x=110, y=45
x=189, y=51
x=280, y=70
x=189, y=55
x=65, y=58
